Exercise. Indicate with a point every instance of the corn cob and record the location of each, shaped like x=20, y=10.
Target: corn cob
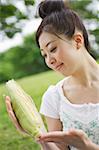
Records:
x=25, y=110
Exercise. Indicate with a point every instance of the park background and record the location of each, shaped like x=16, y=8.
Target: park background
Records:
x=22, y=60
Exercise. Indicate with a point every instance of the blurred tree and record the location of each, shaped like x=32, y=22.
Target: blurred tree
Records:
x=12, y=16
x=21, y=60
x=89, y=12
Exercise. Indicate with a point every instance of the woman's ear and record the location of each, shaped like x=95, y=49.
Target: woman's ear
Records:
x=79, y=40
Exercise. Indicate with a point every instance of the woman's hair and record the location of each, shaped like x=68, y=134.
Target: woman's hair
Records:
x=59, y=19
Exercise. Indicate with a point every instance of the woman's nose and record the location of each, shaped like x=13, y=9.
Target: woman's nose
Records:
x=50, y=60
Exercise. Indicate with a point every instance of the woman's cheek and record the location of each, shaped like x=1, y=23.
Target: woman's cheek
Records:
x=48, y=65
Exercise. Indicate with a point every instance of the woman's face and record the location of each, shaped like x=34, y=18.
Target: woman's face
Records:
x=60, y=54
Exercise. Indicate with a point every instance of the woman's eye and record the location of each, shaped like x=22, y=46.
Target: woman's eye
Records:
x=53, y=50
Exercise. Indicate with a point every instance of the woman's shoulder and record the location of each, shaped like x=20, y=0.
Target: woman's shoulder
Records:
x=50, y=92
x=54, y=89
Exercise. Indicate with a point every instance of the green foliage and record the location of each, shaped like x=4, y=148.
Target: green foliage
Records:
x=80, y=7
x=10, y=139
x=8, y=10
x=21, y=60
x=29, y=2
x=96, y=33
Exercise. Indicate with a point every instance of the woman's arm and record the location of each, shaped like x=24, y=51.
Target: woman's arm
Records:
x=74, y=137
x=56, y=125
x=50, y=146
x=92, y=146
x=45, y=146
x=53, y=124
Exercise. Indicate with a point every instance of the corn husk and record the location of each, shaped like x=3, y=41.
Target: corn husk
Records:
x=25, y=110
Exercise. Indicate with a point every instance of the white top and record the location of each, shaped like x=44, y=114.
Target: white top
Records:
x=80, y=116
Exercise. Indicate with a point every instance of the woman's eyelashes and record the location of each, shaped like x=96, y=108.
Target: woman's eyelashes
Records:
x=53, y=50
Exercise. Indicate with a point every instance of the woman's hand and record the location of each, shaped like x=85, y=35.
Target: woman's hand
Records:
x=44, y=145
x=73, y=137
x=12, y=115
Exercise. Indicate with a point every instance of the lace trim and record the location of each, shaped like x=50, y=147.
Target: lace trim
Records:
x=91, y=129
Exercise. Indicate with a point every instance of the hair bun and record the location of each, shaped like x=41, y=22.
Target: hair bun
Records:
x=49, y=6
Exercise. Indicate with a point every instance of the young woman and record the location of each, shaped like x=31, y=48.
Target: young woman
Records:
x=71, y=107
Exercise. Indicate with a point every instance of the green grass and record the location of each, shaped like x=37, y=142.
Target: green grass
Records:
x=35, y=86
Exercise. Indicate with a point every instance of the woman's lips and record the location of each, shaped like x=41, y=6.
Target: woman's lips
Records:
x=59, y=66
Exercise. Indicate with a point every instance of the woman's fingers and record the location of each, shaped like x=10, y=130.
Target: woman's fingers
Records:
x=12, y=115
x=73, y=137
x=14, y=120
x=8, y=104
x=56, y=136
x=70, y=137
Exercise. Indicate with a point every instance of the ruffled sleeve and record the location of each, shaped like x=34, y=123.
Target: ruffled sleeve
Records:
x=50, y=103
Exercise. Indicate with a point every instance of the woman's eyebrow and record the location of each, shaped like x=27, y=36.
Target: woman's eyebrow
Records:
x=48, y=44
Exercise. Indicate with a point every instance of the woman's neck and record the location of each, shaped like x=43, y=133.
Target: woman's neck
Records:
x=88, y=71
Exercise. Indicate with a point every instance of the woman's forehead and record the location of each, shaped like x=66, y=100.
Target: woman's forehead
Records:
x=45, y=38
